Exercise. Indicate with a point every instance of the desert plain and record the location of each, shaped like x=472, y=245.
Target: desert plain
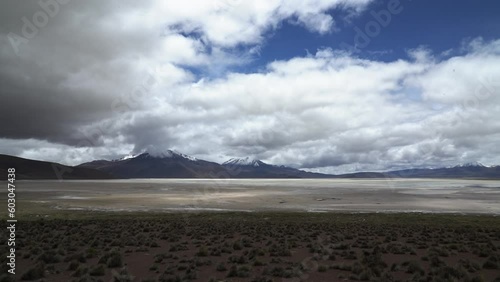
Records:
x=257, y=230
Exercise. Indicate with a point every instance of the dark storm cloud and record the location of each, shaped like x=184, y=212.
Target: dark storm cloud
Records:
x=46, y=112
x=59, y=77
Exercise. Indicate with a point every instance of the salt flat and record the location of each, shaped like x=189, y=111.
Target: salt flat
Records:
x=314, y=195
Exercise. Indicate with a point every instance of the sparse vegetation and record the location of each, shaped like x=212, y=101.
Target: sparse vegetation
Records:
x=175, y=247
x=34, y=273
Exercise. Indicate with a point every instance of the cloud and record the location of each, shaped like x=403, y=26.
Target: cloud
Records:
x=103, y=79
x=333, y=109
x=83, y=61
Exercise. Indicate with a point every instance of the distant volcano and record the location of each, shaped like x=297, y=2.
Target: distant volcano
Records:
x=173, y=164
x=168, y=164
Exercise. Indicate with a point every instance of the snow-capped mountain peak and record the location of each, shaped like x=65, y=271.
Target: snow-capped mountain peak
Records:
x=160, y=154
x=171, y=154
x=185, y=156
x=130, y=156
x=471, y=164
x=247, y=161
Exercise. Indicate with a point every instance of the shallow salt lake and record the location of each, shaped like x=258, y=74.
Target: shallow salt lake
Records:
x=313, y=195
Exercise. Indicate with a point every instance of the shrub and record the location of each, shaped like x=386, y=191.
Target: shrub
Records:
x=98, y=270
x=365, y=275
x=79, y=257
x=414, y=267
x=50, y=257
x=115, y=260
x=122, y=276
x=258, y=262
x=261, y=279
x=279, y=271
x=190, y=275
x=237, y=246
x=221, y=267
x=34, y=273
x=448, y=273
x=202, y=252
x=478, y=279
x=357, y=268
x=233, y=271
x=91, y=252
x=489, y=264
x=80, y=271
x=240, y=271
x=73, y=265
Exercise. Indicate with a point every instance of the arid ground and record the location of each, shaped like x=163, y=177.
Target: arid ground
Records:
x=313, y=195
x=292, y=246
x=256, y=230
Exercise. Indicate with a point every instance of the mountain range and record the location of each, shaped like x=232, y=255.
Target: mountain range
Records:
x=173, y=164
x=169, y=164
x=32, y=169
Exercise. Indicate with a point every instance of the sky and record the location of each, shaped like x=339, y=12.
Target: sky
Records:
x=330, y=86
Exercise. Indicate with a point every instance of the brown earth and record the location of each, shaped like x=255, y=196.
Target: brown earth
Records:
x=258, y=247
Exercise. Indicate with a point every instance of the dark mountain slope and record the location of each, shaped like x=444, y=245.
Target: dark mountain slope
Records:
x=32, y=169
x=251, y=168
x=470, y=171
x=170, y=164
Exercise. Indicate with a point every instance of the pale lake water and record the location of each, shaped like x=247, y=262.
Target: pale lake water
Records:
x=312, y=195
